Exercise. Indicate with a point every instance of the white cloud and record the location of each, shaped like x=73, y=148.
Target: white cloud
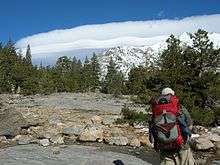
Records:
x=134, y=33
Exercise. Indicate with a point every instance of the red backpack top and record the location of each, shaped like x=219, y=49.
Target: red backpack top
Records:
x=170, y=104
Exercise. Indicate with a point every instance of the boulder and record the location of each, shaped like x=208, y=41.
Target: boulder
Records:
x=135, y=142
x=3, y=138
x=70, y=139
x=11, y=122
x=23, y=139
x=32, y=118
x=36, y=132
x=199, y=130
x=214, y=137
x=3, y=141
x=91, y=133
x=202, y=143
x=57, y=139
x=216, y=130
x=74, y=130
x=48, y=134
x=43, y=132
x=119, y=140
x=195, y=136
x=115, y=131
x=44, y=142
x=97, y=120
x=144, y=140
x=144, y=130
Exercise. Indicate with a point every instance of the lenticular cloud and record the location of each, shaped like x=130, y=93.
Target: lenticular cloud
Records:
x=132, y=33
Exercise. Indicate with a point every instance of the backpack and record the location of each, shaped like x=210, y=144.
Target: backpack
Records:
x=167, y=131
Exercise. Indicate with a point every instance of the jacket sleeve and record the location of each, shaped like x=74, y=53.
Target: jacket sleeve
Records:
x=187, y=115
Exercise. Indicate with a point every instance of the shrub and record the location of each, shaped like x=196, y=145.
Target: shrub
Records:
x=217, y=116
x=202, y=117
x=130, y=116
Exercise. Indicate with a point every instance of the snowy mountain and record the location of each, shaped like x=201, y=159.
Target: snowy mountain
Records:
x=127, y=57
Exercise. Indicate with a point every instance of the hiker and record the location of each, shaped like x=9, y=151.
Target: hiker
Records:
x=170, y=129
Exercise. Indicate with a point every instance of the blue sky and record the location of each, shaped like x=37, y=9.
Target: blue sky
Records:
x=21, y=18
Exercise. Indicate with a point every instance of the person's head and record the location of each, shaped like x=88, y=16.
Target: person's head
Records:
x=167, y=91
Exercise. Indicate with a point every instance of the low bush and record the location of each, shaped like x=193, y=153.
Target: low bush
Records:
x=217, y=116
x=131, y=117
x=202, y=117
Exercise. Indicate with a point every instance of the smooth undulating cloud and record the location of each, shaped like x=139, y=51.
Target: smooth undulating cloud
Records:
x=99, y=36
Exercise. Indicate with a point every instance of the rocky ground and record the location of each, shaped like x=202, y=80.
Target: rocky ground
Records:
x=73, y=128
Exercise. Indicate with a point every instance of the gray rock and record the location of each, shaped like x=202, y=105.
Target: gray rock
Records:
x=115, y=131
x=199, y=130
x=216, y=130
x=57, y=139
x=74, y=130
x=43, y=132
x=97, y=119
x=11, y=122
x=202, y=143
x=70, y=139
x=4, y=141
x=3, y=138
x=92, y=134
x=49, y=134
x=214, y=138
x=135, y=142
x=119, y=141
x=44, y=142
x=144, y=140
x=23, y=139
x=37, y=132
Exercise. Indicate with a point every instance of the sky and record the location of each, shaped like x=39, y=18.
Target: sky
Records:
x=23, y=18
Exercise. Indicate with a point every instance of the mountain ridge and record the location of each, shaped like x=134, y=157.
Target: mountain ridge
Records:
x=127, y=57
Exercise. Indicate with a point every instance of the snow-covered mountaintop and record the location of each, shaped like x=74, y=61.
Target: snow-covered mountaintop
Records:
x=126, y=57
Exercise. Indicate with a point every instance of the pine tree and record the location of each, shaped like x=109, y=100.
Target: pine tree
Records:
x=10, y=47
x=74, y=63
x=63, y=64
x=63, y=69
x=136, y=80
x=28, y=55
x=95, y=72
x=86, y=84
x=202, y=63
x=171, y=63
x=8, y=62
x=79, y=64
x=114, y=80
